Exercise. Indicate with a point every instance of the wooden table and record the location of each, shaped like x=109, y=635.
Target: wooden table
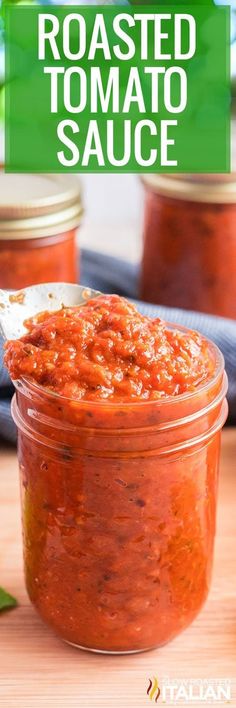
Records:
x=36, y=669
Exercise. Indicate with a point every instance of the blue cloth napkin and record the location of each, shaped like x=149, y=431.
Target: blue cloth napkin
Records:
x=111, y=275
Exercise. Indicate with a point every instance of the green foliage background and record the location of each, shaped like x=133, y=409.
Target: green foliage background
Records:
x=3, y=3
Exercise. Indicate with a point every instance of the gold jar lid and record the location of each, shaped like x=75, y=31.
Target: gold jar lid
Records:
x=215, y=188
x=38, y=205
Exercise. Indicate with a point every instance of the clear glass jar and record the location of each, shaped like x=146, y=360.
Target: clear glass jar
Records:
x=39, y=217
x=114, y=492
x=189, y=255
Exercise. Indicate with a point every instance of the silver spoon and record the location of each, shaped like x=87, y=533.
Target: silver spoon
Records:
x=17, y=306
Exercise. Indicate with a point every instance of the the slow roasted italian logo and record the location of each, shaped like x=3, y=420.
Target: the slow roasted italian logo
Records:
x=153, y=690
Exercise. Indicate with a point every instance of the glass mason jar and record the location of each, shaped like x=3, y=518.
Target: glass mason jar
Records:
x=119, y=506
x=39, y=217
x=189, y=255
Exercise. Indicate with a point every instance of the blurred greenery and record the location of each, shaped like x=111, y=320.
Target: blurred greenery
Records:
x=3, y=4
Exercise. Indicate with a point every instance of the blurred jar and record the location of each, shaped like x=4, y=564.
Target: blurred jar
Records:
x=189, y=257
x=39, y=217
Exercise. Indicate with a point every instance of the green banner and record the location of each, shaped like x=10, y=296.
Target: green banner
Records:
x=119, y=89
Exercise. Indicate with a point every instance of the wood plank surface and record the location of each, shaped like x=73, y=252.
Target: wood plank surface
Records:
x=37, y=669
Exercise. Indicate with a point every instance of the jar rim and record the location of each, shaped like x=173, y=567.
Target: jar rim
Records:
x=206, y=188
x=52, y=207
x=141, y=421
x=165, y=400
x=178, y=447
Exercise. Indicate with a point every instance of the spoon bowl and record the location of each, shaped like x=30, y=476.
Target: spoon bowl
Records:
x=18, y=306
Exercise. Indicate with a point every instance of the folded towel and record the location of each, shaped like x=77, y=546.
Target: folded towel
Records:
x=112, y=275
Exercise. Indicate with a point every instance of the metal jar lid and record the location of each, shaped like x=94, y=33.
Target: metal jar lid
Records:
x=38, y=205
x=215, y=188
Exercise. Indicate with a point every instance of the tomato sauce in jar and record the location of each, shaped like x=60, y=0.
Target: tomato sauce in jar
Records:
x=119, y=419
x=189, y=256
x=39, y=217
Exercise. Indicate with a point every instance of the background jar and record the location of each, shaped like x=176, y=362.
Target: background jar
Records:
x=189, y=255
x=112, y=492
x=39, y=217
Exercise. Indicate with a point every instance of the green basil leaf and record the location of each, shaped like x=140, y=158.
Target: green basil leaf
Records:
x=6, y=601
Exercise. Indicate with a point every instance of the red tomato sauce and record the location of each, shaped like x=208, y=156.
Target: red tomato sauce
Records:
x=118, y=477
x=107, y=349
x=25, y=262
x=189, y=255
